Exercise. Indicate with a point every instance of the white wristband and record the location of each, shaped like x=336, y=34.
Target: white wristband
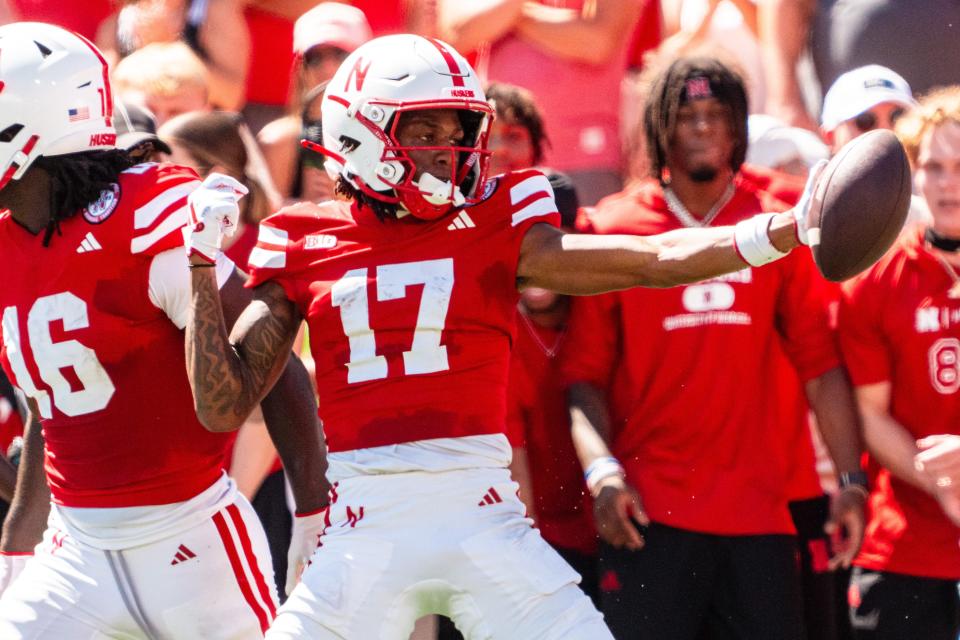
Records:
x=752, y=240
x=602, y=468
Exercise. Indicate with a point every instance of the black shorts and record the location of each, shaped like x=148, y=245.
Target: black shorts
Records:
x=894, y=606
x=685, y=585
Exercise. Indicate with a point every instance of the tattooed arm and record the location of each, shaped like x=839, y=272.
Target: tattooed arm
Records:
x=229, y=376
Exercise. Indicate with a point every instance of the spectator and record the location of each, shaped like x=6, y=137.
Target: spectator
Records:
x=167, y=78
x=137, y=133
x=790, y=150
x=518, y=139
x=867, y=98
x=918, y=39
x=901, y=345
x=312, y=182
x=218, y=141
x=322, y=38
x=569, y=44
x=691, y=388
x=213, y=29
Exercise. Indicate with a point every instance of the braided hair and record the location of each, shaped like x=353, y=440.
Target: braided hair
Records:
x=77, y=179
x=668, y=92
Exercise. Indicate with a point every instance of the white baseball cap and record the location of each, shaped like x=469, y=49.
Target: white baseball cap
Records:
x=772, y=143
x=330, y=23
x=860, y=90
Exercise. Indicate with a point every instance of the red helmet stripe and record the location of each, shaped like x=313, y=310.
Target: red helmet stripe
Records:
x=339, y=100
x=451, y=62
x=108, y=98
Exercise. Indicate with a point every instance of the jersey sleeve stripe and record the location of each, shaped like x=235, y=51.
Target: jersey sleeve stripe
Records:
x=539, y=207
x=170, y=223
x=272, y=236
x=528, y=187
x=267, y=259
x=148, y=213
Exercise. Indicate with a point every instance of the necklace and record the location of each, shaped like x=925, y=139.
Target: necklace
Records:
x=954, y=292
x=551, y=351
x=686, y=218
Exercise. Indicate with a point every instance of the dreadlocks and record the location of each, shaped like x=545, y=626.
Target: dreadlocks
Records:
x=668, y=92
x=77, y=179
x=383, y=210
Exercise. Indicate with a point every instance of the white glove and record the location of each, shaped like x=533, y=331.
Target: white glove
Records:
x=304, y=541
x=213, y=214
x=802, y=210
x=11, y=564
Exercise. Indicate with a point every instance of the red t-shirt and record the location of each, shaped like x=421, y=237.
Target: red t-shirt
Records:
x=410, y=321
x=898, y=325
x=82, y=17
x=538, y=420
x=695, y=375
x=271, y=57
x=105, y=365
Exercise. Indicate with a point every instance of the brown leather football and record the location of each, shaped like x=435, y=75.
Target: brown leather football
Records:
x=860, y=204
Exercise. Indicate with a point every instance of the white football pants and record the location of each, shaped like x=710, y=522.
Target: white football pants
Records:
x=213, y=581
x=457, y=543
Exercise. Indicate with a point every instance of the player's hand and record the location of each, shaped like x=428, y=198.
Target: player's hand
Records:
x=939, y=460
x=11, y=564
x=846, y=525
x=617, y=510
x=214, y=212
x=304, y=540
x=801, y=212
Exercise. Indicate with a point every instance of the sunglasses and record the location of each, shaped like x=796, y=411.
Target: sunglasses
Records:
x=868, y=120
x=318, y=55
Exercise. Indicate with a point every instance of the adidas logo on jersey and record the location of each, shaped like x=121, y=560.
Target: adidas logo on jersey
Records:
x=183, y=554
x=491, y=497
x=462, y=221
x=89, y=243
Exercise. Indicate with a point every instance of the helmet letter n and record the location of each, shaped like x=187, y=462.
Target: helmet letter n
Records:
x=358, y=74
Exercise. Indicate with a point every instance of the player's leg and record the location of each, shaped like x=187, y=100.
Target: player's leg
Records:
x=68, y=591
x=758, y=589
x=661, y=591
x=511, y=582
x=212, y=581
x=888, y=606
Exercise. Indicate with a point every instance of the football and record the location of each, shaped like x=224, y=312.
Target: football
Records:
x=860, y=204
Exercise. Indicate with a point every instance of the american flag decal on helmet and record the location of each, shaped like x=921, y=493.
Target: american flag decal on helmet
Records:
x=80, y=113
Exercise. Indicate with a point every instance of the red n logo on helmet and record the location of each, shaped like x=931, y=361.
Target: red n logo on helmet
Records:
x=358, y=74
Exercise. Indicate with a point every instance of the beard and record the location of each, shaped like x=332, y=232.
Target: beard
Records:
x=703, y=174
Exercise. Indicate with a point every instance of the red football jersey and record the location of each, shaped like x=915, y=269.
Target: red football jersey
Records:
x=538, y=419
x=899, y=325
x=410, y=322
x=104, y=364
x=696, y=376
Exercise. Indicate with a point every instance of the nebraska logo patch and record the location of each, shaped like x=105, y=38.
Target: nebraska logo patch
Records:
x=100, y=209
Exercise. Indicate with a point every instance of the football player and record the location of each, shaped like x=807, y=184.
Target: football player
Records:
x=409, y=290
x=147, y=536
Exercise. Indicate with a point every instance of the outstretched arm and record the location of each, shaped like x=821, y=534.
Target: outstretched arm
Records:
x=586, y=265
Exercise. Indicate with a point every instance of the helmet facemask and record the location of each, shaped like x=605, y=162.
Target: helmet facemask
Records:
x=432, y=196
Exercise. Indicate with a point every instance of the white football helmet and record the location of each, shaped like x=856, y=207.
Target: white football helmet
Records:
x=361, y=109
x=54, y=96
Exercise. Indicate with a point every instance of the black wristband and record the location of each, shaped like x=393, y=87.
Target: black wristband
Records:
x=858, y=478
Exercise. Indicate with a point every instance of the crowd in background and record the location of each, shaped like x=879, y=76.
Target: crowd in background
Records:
x=232, y=86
